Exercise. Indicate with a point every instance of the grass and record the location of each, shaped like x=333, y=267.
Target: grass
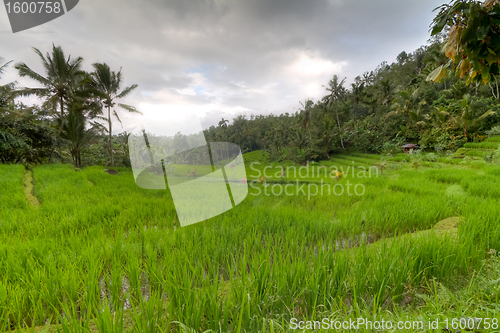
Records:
x=100, y=254
x=487, y=145
x=493, y=139
x=370, y=156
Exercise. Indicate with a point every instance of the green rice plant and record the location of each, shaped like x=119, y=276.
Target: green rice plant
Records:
x=488, y=145
x=477, y=153
x=346, y=162
x=370, y=156
x=482, y=185
x=11, y=191
x=492, y=139
x=256, y=156
x=400, y=157
x=474, y=163
x=89, y=251
x=431, y=157
x=450, y=176
x=449, y=160
x=367, y=161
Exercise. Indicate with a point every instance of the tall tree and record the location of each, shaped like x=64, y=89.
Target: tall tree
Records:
x=337, y=93
x=107, y=84
x=61, y=79
x=466, y=117
x=75, y=131
x=358, y=92
x=386, y=91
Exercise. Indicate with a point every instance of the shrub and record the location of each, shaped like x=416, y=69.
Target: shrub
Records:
x=493, y=131
x=391, y=148
x=450, y=138
x=431, y=157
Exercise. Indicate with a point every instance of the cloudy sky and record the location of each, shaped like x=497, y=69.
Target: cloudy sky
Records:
x=201, y=60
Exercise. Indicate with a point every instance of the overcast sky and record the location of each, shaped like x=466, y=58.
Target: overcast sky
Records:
x=208, y=59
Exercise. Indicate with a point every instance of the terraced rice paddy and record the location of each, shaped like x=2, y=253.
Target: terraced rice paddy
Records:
x=97, y=253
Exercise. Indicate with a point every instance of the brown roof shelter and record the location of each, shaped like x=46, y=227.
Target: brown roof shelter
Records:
x=408, y=148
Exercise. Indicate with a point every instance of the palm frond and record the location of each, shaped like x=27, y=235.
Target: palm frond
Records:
x=2, y=68
x=25, y=71
x=117, y=117
x=486, y=114
x=24, y=92
x=129, y=108
x=126, y=91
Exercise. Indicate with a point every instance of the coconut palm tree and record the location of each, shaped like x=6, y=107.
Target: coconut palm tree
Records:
x=107, y=84
x=386, y=91
x=337, y=93
x=336, y=89
x=223, y=123
x=62, y=77
x=5, y=91
x=466, y=118
x=440, y=116
x=358, y=92
x=327, y=136
x=405, y=102
x=74, y=130
x=306, y=113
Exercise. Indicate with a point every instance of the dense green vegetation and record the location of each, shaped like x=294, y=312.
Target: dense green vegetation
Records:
x=339, y=223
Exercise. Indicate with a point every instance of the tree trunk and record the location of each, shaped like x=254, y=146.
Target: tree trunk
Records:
x=496, y=83
x=493, y=90
x=340, y=130
x=62, y=115
x=110, y=135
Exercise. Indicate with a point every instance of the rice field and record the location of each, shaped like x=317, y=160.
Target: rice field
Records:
x=487, y=145
x=96, y=253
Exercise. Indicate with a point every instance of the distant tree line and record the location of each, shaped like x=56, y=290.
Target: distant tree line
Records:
x=439, y=96
x=385, y=108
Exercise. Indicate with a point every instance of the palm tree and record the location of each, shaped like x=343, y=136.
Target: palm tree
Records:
x=106, y=84
x=406, y=101
x=5, y=91
x=306, y=113
x=386, y=91
x=440, y=116
x=466, y=118
x=328, y=127
x=418, y=117
x=74, y=130
x=358, y=92
x=337, y=93
x=223, y=125
x=62, y=78
x=368, y=78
